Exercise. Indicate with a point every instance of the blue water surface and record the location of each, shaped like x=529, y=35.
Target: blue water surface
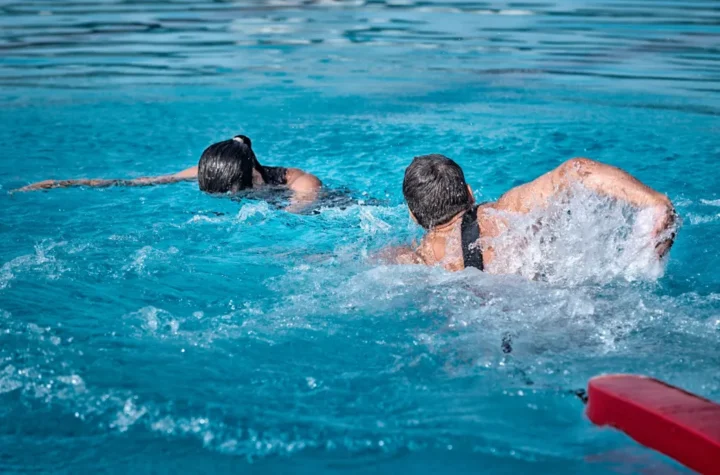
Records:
x=164, y=330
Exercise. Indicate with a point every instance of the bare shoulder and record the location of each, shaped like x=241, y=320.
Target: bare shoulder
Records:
x=486, y=210
x=483, y=208
x=298, y=180
x=490, y=219
x=292, y=174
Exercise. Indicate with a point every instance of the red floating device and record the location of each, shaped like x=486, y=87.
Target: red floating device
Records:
x=674, y=422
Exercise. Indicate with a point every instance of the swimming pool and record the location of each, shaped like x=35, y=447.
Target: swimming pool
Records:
x=160, y=329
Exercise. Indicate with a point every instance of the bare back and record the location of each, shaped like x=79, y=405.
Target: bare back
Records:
x=443, y=247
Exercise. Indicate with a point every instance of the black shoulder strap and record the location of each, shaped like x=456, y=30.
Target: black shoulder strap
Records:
x=472, y=252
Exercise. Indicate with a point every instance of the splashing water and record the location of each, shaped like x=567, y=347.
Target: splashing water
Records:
x=581, y=237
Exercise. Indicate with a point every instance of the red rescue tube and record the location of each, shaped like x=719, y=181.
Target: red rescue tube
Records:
x=674, y=422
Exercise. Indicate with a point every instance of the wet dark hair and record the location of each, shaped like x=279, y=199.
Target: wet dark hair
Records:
x=227, y=166
x=435, y=190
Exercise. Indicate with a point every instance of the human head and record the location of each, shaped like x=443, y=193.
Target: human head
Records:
x=227, y=166
x=435, y=190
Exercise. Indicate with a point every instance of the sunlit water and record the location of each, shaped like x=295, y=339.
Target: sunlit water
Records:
x=164, y=330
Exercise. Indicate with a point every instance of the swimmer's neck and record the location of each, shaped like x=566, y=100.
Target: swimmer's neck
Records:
x=441, y=240
x=445, y=228
x=433, y=246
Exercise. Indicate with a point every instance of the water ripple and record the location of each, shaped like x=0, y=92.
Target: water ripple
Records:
x=67, y=44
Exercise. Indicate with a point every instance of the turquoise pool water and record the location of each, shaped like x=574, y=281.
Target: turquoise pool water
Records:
x=162, y=330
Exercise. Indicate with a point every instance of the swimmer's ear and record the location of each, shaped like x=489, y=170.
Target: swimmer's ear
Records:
x=413, y=217
x=471, y=197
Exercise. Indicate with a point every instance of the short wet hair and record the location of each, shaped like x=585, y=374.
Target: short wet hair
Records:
x=435, y=190
x=227, y=166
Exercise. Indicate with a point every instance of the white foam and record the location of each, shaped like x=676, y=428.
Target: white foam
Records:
x=128, y=415
x=696, y=219
x=438, y=10
x=201, y=218
x=156, y=321
x=251, y=210
x=74, y=385
x=43, y=260
x=515, y=12
x=138, y=263
x=148, y=254
x=370, y=222
x=579, y=238
x=9, y=380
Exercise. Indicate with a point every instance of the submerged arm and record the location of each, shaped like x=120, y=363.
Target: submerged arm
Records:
x=398, y=255
x=189, y=174
x=600, y=178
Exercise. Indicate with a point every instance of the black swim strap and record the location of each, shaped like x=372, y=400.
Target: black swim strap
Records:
x=470, y=235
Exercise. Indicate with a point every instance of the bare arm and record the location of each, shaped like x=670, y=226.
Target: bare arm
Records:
x=305, y=188
x=189, y=174
x=398, y=255
x=599, y=177
x=604, y=179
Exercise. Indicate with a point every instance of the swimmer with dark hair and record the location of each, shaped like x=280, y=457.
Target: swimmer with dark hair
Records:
x=229, y=166
x=457, y=235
